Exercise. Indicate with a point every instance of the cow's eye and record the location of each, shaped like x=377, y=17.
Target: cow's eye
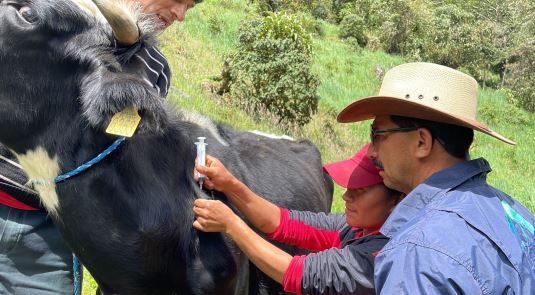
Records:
x=28, y=14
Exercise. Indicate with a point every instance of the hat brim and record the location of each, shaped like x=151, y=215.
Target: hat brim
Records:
x=350, y=175
x=370, y=107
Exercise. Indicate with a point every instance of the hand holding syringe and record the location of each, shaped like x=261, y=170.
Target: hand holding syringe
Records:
x=201, y=158
x=217, y=177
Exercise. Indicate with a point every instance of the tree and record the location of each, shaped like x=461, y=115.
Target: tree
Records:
x=272, y=68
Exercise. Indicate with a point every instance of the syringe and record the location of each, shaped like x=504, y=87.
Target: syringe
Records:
x=201, y=158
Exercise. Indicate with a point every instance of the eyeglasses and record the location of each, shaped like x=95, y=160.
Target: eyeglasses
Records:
x=374, y=132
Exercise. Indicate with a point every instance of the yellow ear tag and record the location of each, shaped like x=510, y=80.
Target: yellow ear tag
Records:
x=124, y=123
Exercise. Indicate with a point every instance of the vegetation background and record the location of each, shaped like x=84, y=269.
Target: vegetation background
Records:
x=289, y=66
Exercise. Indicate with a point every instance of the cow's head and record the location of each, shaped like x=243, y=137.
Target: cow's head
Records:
x=59, y=65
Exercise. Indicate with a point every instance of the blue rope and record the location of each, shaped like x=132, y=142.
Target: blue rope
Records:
x=77, y=275
x=91, y=162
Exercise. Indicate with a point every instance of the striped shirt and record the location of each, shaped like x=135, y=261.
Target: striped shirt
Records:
x=157, y=71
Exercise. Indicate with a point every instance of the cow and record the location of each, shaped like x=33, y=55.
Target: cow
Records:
x=64, y=73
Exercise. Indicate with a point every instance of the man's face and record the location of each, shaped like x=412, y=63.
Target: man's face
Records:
x=167, y=11
x=392, y=154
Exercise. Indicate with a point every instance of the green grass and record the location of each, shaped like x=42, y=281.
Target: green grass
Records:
x=196, y=50
x=513, y=166
x=346, y=74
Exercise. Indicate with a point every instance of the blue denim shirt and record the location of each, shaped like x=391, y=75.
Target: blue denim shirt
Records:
x=455, y=234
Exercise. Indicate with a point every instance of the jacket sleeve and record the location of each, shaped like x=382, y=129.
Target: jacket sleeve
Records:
x=339, y=271
x=320, y=220
x=298, y=233
x=412, y=269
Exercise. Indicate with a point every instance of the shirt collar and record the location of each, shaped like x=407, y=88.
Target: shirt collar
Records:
x=434, y=186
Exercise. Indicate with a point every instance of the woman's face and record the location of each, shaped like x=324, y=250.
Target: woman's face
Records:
x=368, y=207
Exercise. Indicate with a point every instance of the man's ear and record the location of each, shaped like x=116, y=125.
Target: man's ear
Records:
x=106, y=93
x=425, y=142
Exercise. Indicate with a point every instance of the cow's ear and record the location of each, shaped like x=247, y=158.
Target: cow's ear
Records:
x=106, y=93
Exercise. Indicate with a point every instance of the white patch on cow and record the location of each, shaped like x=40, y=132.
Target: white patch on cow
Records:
x=41, y=170
x=204, y=122
x=273, y=136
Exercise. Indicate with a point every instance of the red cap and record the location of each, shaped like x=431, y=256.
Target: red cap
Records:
x=354, y=173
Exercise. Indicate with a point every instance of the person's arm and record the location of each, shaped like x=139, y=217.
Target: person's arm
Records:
x=334, y=271
x=295, y=229
x=263, y=214
x=214, y=216
x=340, y=271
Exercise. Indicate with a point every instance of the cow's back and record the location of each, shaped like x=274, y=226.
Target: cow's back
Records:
x=287, y=172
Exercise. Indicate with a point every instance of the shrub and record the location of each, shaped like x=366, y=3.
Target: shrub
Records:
x=405, y=27
x=522, y=77
x=354, y=26
x=397, y=26
x=459, y=40
x=342, y=8
x=264, y=6
x=272, y=68
x=309, y=23
x=319, y=9
x=215, y=24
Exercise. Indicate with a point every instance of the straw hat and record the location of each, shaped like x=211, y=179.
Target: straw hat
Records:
x=424, y=91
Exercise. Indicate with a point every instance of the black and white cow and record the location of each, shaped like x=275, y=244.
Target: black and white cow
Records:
x=129, y=217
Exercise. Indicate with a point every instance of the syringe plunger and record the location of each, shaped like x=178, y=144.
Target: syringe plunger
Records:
x=201, y=156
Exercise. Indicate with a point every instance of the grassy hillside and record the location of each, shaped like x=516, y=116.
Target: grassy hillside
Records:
x=196, y=51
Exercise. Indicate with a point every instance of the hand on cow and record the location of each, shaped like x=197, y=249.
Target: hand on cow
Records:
x=217, y=176
x=213, y=216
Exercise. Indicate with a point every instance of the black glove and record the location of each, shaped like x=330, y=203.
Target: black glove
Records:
x=157, y=71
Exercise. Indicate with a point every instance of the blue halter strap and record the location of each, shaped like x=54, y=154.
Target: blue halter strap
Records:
x=91, y=162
